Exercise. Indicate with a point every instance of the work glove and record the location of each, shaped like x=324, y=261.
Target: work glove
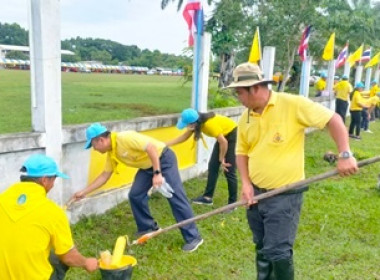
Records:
x=165, y=189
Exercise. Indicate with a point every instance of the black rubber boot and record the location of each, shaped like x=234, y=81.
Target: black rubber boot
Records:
x=283, y=269
x=264, y=268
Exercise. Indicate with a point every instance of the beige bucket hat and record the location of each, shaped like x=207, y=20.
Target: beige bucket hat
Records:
x=247, y=74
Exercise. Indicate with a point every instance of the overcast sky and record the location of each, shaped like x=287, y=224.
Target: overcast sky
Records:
x=130, y=22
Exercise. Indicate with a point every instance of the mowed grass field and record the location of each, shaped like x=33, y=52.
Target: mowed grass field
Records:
x=94, y=97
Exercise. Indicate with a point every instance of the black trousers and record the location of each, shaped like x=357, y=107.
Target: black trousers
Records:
x=59, y=268
x=214, y=165
x=341, y=108
x=274, y=222
x=355, y=122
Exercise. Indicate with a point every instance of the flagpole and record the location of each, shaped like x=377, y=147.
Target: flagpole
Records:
x=197, y=52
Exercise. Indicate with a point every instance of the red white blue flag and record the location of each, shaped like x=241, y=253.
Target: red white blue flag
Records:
x=302, y=49
x=366, y=55
x=342, y=57
x=190, y=14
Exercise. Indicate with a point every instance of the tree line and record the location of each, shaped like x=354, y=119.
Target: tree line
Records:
x=88, y=49
x=232, y=24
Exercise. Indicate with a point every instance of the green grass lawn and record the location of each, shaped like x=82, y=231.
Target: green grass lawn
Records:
x=94, y=97
x=338, y=235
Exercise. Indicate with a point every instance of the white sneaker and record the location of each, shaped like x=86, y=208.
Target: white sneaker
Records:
x=369, y=131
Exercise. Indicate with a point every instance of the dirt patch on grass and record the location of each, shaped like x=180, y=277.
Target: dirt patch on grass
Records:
x=139, y=109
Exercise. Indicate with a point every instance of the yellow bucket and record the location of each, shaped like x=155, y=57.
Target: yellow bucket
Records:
x=123, y=271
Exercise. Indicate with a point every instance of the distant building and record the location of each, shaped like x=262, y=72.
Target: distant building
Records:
x=25, y=49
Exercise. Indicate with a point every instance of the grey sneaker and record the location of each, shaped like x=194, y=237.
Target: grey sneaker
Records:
x=202, y=200
x=193, y=245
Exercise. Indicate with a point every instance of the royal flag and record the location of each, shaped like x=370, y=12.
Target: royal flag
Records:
x=373, y=61
x=355, y=56
x=302, y=49
x=255, y=54
x=190, y=14
x=328, y=51
x=366, y=56
x=342, y=57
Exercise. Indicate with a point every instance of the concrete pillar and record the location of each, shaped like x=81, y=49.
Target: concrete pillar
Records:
x=347, y=69
x=305, y=76
x=377, y=74
x=204, y=70
x=45, y=60
x=358, y=74
x=368, y=74
x=330, y=79
x=268, y=61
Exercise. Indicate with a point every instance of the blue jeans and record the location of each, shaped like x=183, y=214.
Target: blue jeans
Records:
x=180, y=206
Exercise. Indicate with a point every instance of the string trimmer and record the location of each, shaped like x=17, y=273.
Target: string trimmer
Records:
x=231, y=206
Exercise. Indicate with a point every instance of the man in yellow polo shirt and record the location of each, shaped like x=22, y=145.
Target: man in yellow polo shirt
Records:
x=270, y=154
x=32, y=225
x=320, y=85
x=342, y=92
x=154, y=162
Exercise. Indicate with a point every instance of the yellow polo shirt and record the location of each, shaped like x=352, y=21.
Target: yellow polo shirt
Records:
x=129, y=148
x=274, y=140
x=356, y=99
x=29, y=231
x=373, y=91
x=320, y=85
x=342, y=90
x=373, y=101
x=218, y=125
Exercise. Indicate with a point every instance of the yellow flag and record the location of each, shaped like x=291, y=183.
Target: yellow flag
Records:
x=255, y=54
x=355, y=56
x=373, y=61
x=328, y=52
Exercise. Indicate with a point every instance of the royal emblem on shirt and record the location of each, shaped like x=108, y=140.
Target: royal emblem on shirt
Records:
x=21, y=199
x=277, y=138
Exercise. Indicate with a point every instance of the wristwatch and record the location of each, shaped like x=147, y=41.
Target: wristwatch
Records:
x=156, y=172
x=345, y=154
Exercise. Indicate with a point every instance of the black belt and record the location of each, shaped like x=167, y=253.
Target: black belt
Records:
x=297, y=190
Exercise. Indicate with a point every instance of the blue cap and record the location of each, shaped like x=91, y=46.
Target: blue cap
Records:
x=344, y=77
x=40, y=166
x=188, y=116
x=373, y=82
x=359, y=85
x=93, y=131
x=323, y=75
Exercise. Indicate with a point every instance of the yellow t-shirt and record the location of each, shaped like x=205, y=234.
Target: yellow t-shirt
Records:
x=373, y=91
x=320, y=85
x=29, y=231
x=274, y=140
x=218, y=125
x=342, y=90
x=356, y=99
x=129, y=147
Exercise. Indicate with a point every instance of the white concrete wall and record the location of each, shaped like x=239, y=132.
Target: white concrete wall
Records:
x=15, y=148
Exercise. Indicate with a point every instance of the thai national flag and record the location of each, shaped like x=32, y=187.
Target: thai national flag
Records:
x=190, y=13
x=342, y=57
x=366, y=55
x=302, y=49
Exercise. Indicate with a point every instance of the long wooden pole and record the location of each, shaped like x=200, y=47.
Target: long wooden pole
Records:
x=282, y=189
